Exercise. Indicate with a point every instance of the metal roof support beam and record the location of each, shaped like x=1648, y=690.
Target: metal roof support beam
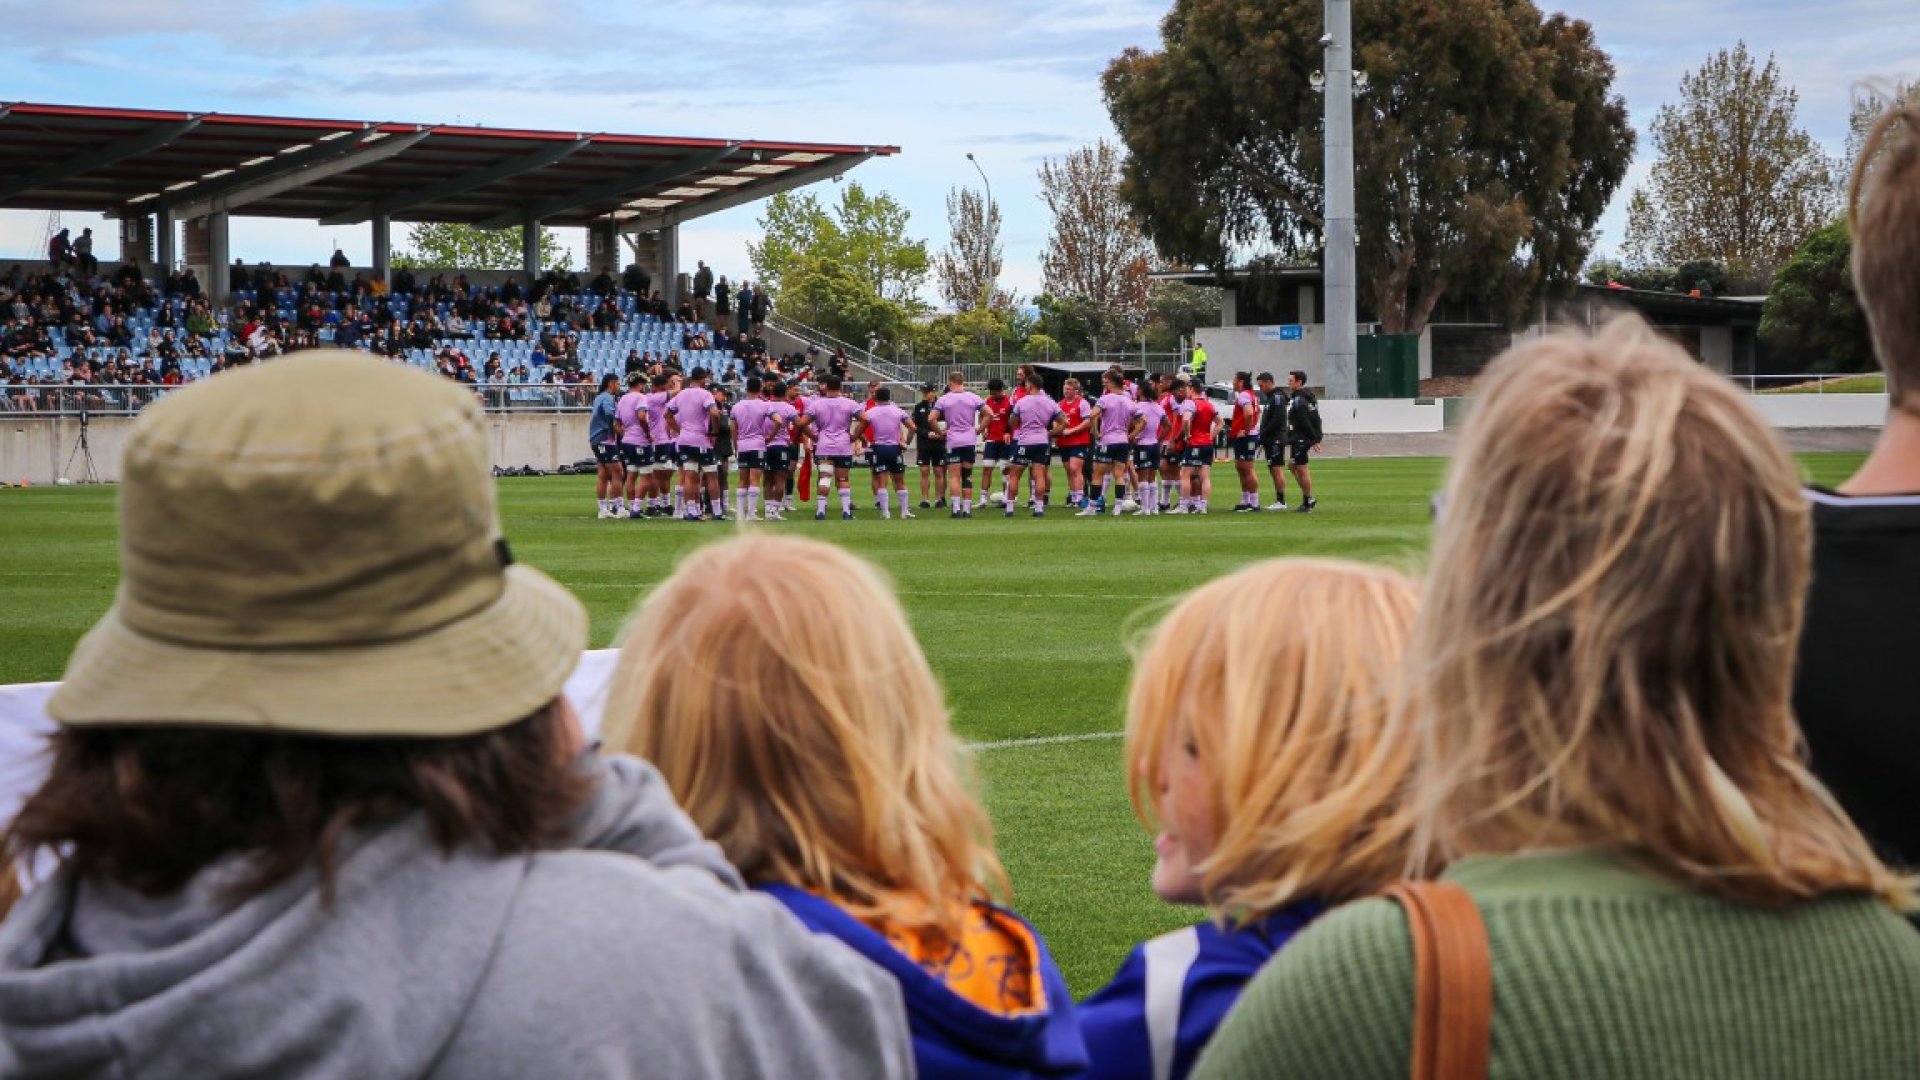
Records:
x=530, y=248
x=713, y=204
x=459, y=185
x=613, y=189
x=176, y=197
x=383, y=249
x=100, y=158
x=284, y=174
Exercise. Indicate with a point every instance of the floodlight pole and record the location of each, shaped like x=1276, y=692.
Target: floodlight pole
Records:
x=1342, y=314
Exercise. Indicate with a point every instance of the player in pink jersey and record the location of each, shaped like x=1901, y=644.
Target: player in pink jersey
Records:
x=782, y=415
x=666, y=459
x=691, y=415
x=1113, y=445
x=959, y=412
x=1036, y=419
x=751, y=426
x=887, y=427
x=636, y=450
x=830, y=419
x=1149, y=419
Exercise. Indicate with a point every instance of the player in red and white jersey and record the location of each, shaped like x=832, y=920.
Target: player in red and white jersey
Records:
x=1172, y=446
x=1199, y=424
x=997, y=416
x=1075, y=441
x=1244, y=433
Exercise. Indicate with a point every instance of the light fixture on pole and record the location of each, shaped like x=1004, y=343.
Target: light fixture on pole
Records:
x=984, y=180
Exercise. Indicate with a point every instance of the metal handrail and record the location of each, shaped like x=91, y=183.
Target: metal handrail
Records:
x=886, y=369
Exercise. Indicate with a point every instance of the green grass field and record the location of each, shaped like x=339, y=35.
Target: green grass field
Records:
x=1027, y=623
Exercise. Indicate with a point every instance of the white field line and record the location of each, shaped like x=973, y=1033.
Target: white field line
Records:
x=1045, y=740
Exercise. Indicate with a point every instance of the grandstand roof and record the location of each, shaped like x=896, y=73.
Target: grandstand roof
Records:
x=130, y=162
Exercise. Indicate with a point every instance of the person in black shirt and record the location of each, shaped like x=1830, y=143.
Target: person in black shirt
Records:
x=1857, y=689
x=1303, y=435
x=1273, y=436
x=932, y=450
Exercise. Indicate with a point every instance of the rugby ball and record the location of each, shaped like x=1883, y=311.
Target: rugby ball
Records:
x=998, y=498
x=940, y=428
x=63, y=482
x=1128, y=506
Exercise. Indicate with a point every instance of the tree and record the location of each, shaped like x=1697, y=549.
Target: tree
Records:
x=1812, y=305
x=866, y=234
x=829, y=295
x=1487, y=144
x=969, y=270
x=453, y=246
x=1095, y=253
x=1867, y=108
x=1737, y=181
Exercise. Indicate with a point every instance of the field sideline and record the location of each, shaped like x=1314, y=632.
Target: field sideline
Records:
x=1026, y=621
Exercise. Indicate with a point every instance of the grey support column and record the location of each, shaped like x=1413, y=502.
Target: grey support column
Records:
x=219, y=262
x=668, y=279
x=383, y=248
x=166, y=239
x=530, y=248
x=1342, y=345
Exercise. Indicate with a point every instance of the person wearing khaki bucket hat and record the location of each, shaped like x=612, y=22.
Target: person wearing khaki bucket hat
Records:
x=319, y=807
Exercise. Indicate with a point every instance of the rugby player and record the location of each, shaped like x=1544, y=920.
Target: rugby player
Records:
x=636, y=450
x=750, y=430
x=603, y=433
x=1075, y=440
x=1113, y=419
x=1036, y=418
x=781, y=417
x=1273, y=436
x=1148, y=421
x=885, y=425
x=690, y=417
x=999, y=441
x=931, y=450
x=1244, y=435
x=830, y=419
x=1199, y=423
x=666, y=459
x=959, y=410
x=1303, y=435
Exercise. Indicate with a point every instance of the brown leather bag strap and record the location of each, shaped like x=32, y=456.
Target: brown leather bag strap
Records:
x=1453, y=981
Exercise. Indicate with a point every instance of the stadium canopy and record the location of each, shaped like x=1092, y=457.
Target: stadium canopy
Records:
x=163, y=168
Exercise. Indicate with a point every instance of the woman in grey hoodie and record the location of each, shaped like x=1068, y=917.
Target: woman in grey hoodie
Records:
x=319, y=808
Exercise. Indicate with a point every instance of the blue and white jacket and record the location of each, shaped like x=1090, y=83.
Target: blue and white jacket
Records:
x=1171, y=993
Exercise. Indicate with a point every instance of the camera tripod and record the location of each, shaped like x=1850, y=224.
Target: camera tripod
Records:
x=83, y=451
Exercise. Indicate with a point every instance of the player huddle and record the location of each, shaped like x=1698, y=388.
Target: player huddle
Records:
x=1142, y=447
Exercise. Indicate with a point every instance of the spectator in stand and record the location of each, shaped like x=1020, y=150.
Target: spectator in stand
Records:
x=1608, y=764
x=702, y=293
x=744, y=302
x=1856, y=683
x=339, y=260
x=787, y=731
x=636, y=280
x=60, y=251
x=343, y=855
x=762, y=307
x=83, y=259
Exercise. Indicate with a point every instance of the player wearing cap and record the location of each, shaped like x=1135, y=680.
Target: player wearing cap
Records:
x=1075, y=441
x=931, y=450
x=884, y=426
x=1036, y=418
x=1113, y=420
x=959, y=410
x=830, y=419
x=1244, y=434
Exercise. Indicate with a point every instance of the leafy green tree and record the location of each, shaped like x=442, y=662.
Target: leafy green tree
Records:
x=1738, y=181
x=830, y=295
x=865, y=233
x=976, y=335
x=1487, y=145
x=1867, y=108
x=969, y=270
x=1175, y=310
x=1095, y=253
x=1812, y=305
x=453, y=246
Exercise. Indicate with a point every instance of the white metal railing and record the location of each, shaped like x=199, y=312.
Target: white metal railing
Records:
x=885, y=369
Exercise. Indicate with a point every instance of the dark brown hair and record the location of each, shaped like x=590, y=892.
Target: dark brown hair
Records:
x=150, y=807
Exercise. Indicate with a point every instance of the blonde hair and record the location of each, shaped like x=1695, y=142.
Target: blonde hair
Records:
x=1883, y=214
x=1605, y=646
x=1283, y=675
x=777, y=686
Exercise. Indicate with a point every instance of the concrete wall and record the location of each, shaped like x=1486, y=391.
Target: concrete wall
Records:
x=1240, y=348
x=1381, y=417
x=1821, y=410
x=38, y=449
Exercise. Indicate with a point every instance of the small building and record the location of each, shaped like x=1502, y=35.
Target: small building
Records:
x=1275, y=323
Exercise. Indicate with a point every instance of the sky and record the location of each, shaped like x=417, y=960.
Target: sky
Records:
x=1010, y=81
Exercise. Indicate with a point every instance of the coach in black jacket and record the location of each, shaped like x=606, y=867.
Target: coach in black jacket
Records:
x=1303, y=435
x=1273, y=436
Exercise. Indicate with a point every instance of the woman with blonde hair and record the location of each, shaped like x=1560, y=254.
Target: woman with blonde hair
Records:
x=1259, y=749
x=777, y=686
x=1608, y=763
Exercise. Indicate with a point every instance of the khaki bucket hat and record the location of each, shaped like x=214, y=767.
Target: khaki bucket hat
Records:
x=311, y=545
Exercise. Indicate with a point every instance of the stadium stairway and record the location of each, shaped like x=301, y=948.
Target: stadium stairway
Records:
x=786, y=335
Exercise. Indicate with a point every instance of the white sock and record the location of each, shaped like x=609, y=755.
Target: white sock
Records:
x=846, y=500
x=904, y=497
x=719, y=506
x=822, y=504
x=753, y=501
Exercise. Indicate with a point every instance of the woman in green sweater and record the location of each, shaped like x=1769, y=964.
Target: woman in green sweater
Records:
x=1609, y=763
